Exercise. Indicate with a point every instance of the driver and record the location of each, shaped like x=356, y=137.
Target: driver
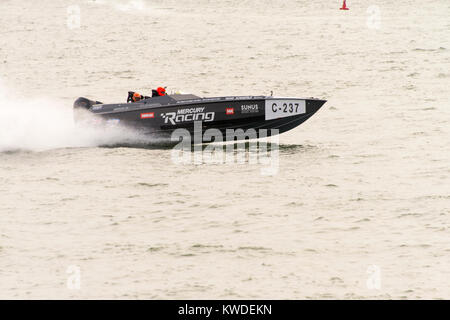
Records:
x=160, y=91
x=136, y=97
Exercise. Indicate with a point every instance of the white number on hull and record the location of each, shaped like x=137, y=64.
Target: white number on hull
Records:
x=284, y=108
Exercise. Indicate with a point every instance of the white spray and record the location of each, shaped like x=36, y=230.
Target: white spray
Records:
x=38, y=124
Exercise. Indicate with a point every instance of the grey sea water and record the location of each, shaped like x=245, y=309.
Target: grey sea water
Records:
x=359, y=207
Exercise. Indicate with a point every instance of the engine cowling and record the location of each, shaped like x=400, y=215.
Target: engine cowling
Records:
x=82, y=107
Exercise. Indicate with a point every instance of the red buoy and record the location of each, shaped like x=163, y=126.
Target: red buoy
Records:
x=344, y=6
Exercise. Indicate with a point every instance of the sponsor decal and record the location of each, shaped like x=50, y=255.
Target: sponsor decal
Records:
x=187, y=115
x=249, y=108
x=191, y=110
x=230, y=111
x=147, y=115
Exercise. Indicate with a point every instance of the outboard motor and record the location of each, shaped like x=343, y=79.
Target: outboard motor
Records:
x=81, y=108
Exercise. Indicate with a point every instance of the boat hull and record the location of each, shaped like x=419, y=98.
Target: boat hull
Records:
x=255, y=116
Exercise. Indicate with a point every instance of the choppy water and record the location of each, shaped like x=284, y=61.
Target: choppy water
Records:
x=359, y=207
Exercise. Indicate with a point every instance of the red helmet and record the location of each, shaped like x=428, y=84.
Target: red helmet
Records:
x=161, y=91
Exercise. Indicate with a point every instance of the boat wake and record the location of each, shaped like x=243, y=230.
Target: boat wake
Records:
x=39, y=124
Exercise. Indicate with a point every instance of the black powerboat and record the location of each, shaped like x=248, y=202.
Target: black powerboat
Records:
x=161, y=115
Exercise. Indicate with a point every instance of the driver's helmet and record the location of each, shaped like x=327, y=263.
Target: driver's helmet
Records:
x=136, y=97
x=161, y=91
